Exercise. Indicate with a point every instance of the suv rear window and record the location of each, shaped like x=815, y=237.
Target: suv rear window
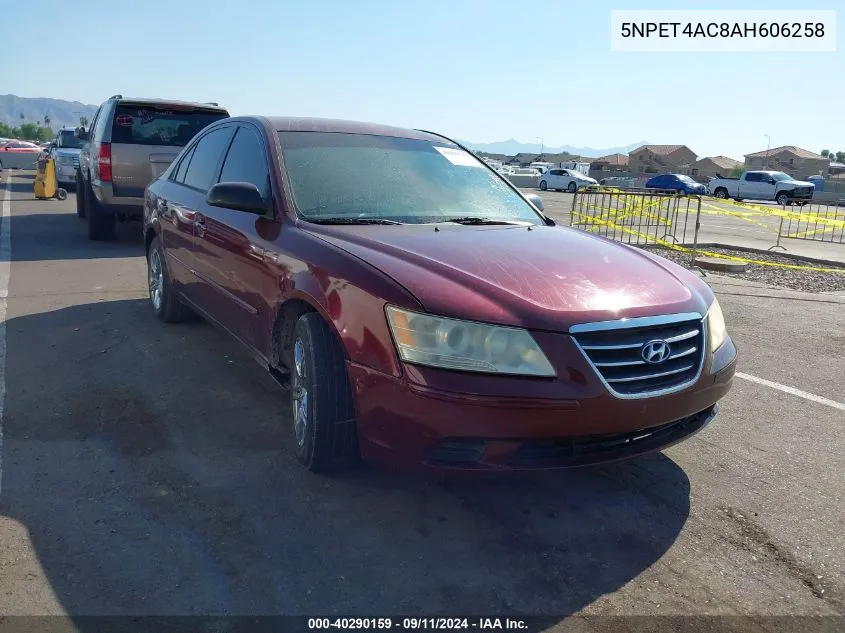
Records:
x=136, y=125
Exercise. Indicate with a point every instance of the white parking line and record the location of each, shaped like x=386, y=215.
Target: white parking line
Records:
x=792, y=390
x=5, y=267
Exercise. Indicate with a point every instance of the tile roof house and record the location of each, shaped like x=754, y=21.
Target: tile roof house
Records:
x=658, y=159
x=610, y=162
x=715, y=165
x=790, y=159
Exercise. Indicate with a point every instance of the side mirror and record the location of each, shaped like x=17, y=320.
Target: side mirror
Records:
x=534, y=199
x=240, y=196
x=81, y=134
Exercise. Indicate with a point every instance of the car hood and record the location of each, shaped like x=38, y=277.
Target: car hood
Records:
x=798, y=183
x=547, y=278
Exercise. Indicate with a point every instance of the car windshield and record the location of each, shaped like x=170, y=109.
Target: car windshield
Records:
x=354, y=176
x=779, y=175
x=67, y=140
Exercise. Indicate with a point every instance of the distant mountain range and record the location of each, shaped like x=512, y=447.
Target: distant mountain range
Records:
x=512, y=147
x=62, y=113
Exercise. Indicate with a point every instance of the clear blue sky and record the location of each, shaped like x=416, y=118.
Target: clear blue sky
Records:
x=479, y=70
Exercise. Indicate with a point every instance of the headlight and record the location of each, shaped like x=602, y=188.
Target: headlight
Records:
x=425, y=339
x=716, y=326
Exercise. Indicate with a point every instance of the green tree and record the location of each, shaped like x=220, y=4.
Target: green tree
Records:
x=47, y=120
x=840, y=157
x=825, y=153
x=83, y=121
x=22, y=117
x=29, y=131
x=736, y=172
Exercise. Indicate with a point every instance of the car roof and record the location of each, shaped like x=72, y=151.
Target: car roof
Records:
x=174, y=102
x=310, y=124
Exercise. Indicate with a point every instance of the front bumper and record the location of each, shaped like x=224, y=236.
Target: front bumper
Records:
x=66, y=174
x=409, y=422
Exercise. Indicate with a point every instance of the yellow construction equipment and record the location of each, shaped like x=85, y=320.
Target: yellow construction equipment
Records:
x=46, y=186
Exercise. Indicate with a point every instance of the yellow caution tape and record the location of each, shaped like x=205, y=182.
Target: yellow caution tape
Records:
x=684, y=249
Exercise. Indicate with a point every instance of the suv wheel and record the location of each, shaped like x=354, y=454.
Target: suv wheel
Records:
x=80, y=196
x=324, y=426
x=166, y=306
x=782, y=199
x=101, y=223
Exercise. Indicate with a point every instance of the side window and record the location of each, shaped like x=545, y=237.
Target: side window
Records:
x=179, y=174
x=100, y=124
x=94, y=121
x=245, y=162
x=752, y=177
x=202, y=169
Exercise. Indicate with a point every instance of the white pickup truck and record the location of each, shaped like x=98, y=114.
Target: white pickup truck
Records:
x=763, y=185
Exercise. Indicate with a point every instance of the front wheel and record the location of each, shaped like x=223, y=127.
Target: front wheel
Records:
x=782, y=199
x=543, y=185
x=323, y=413
x=572, y=188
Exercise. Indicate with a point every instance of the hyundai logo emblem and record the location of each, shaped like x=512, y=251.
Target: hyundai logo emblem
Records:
x=655, y=352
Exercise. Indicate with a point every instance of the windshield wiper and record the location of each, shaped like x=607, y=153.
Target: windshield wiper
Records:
x=341, y=220
x=471, y=220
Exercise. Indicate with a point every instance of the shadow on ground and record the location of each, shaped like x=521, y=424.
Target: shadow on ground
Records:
x=152, y=467
x=45, y=235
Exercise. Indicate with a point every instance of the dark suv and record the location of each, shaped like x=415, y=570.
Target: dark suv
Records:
x=129, y=143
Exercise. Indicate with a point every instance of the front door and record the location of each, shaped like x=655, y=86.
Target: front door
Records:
x=232, y=255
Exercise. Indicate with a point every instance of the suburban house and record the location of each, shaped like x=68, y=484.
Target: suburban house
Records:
x=611, y=162
x=793, y=160
x=659, y=159
x=713, y=166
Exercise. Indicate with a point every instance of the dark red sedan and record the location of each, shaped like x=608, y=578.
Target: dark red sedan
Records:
x=423, y=310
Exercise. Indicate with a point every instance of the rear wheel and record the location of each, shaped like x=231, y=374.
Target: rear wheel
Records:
x=722, y=193
x=572, y=188
x=101, y=223
x=166, y=306
x=80, y=196
x=323, y=413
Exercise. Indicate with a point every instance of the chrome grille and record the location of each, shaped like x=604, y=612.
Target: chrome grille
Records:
x=615, y=351
x=76, y=162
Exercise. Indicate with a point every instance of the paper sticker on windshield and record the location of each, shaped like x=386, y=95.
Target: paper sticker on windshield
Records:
x=458, y=157
x=124, y=120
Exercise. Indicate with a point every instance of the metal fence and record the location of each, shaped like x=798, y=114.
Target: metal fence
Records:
x=817, y=222
x=639, y=217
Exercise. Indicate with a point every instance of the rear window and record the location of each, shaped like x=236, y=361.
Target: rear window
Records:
x=136, y=125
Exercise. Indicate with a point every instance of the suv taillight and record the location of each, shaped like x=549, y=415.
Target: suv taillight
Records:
x=104, y=162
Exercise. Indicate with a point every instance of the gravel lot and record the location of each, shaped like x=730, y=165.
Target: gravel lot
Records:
x=790, y=278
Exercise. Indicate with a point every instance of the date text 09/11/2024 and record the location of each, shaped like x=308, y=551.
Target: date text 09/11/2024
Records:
x=417, y=624
x=722, y=29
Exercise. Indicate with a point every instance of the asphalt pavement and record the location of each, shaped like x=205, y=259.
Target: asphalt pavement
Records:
x=148, y=469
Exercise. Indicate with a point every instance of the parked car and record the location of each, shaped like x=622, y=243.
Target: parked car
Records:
x=568, y=179
x=65, y=150
x=129, y=143
x=679, y=183
x=764, y=185
x=421, y=308
x=18, y=155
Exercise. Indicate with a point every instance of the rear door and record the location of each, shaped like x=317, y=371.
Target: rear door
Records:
x=232, y=255
x=181, y=203
x=147, y=137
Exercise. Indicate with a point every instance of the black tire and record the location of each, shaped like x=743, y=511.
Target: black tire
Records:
x=325, y=433
x=721, y=193
x=101, y=223
x=167, y=308
x=543, y=185
x=572, y=188
x=80, y=196
x=782, y=199
x=61, y=193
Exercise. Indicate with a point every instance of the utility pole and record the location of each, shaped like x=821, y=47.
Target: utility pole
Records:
x=540, y=138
